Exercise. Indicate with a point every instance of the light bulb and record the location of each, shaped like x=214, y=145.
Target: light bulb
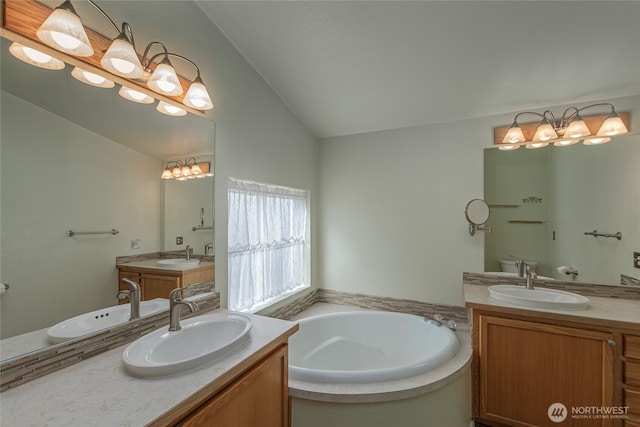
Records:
x=35, y=57
x=91, y=78
x=165, y=80
x=63, y=31
x=612, y=126
x=135, y=96
x=121, y=59
x=170, y=110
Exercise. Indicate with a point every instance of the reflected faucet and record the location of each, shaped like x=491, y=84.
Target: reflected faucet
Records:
x=520, y=266
x=531, y=274
x=187, y=254
x=175, y=303
x=133, y=294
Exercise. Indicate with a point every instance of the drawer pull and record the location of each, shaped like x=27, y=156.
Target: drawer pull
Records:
x=611, y=342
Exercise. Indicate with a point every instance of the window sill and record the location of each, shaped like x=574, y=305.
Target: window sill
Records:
x=274, y=300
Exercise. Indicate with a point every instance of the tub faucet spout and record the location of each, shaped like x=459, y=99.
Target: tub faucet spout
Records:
x=175, y=304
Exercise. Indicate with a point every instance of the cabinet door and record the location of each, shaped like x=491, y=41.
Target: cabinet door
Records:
x=156, y=286
x=257, y=398
x=525, y=367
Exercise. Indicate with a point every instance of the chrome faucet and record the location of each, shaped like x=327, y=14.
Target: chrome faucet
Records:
x=133, y=294
x=531, y=274
x=187, y=254
x=175, y=304
x=520, y=266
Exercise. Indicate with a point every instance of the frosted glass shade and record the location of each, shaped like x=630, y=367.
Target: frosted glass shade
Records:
x=121, y=59
x=565, y=142
x=514, y=135
x=91, y=78
x=545, y=133
x=35, y=57
x=612, y=126
x=508, y=147
x=135, y=96
x=597, y=140
x=63, y=31
x=166, y=174
x=577, y=129
x=197, y=97
x=534, y=145
x=164, y=80
x=196, y=170
x=170, y=110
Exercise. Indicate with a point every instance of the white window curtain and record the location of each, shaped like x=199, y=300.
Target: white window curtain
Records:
x=268, y=243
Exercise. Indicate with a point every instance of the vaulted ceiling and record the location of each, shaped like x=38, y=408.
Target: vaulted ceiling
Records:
x=346, y=67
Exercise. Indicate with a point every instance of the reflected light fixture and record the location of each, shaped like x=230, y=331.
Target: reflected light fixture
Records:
x=63, y=31
x=35, y=57
x=135, y=96
x=92, y=79
x=189, y=169
x=570, y=129
x=170, y=109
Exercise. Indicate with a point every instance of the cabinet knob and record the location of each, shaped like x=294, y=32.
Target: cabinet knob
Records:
x=611, y=342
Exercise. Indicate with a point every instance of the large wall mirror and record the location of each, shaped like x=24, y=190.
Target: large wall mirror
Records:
x=76, y=157
x=543, y=201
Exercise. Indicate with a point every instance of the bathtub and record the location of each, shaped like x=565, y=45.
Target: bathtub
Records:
x=362, y=347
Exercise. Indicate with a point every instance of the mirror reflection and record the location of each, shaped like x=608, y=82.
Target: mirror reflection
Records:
x=543, y=201
x=80, y=158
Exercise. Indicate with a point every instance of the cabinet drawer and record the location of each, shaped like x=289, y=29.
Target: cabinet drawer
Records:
x=632, y=346
x=632, y=373
x=632, y=400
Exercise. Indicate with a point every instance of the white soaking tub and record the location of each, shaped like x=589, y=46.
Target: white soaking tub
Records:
x=363, y=347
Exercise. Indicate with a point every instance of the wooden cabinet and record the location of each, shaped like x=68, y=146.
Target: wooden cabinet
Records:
x=158, y=283
x=257, y=398
x=522, y=367
x=631, y=379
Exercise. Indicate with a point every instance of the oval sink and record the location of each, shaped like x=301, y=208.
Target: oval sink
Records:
x=178, y=263
x=539, y=297
x=94, y=321
x=202, y=339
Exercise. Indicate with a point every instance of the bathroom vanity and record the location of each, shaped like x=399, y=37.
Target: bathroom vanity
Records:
x=158, y=282
x=526, y=359
x=247, y=386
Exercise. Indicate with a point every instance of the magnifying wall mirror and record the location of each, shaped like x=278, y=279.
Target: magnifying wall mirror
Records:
x=477, y=213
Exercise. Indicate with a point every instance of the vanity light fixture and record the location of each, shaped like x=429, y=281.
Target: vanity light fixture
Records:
x=62, y=30
x=570, y=129
x=189, y=169
x=35, y=57
x=90, y=78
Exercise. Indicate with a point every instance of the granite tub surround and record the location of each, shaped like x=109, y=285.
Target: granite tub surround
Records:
x=27, y=367
x=386, y=391
x=100, y=393
x=419, y=308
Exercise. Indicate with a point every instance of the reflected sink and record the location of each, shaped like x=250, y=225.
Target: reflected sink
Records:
x=202, y=339
x=94, y=321
x=539, y=297
x=178, y=263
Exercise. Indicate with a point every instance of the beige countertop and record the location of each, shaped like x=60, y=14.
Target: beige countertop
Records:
x=152, y=264
x=98, y=391
x=614, y=312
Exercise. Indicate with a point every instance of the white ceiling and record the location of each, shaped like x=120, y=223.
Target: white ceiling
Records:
x=346, y=67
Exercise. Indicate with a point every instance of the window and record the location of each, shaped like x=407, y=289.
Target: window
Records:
x=268, y=243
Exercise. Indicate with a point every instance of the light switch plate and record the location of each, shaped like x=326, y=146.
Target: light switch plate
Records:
x=636, y=259
x=135, y=244
x=179, y=240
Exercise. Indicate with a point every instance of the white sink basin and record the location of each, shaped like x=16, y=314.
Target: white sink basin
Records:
x=95, y=321
x=202, y=339
x=539, y=297
x=178, y=263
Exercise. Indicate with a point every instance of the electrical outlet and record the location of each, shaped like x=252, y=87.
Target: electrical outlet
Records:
x=135, y=244
x=179, y=240
x=636, y=259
